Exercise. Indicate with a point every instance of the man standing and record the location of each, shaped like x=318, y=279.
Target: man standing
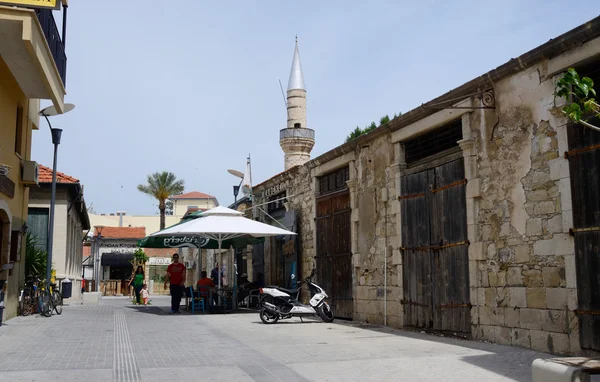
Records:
x=214, y=275
x=176, y=278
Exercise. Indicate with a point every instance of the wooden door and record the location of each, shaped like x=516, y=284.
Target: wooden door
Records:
x=584, y=166
x=334, y=255
x=435, y=249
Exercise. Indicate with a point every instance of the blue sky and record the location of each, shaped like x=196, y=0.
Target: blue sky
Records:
x=192, y=88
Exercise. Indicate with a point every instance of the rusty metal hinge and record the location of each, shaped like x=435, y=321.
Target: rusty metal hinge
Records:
x=436, y=247
x=468, y=305
x=401, y=197
x=408, y=302
x=578, y=151
x=591, y=312
x=573, y=231
x=457, y=183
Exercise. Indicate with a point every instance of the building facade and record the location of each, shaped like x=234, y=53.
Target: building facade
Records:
x=71, y=221
x=475, y=214
x=30, y=70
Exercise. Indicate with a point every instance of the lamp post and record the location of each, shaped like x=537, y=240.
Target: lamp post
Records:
x=97, y=241
x=56, y=135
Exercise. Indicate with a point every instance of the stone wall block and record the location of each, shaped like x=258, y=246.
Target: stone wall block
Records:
x=554, y=321
x=564, y=244
x=543, y=247
x=520, y=337
x=476, y=251
x=555, y=224
x=497, y=316
x=559, y=343
x=570, y=272
x=503, y=336
x=497, y=278
x=567, y=220
x=559, y=168
x=533, y=278
x=484, y=315
x=572, y=301
x=514, y=276
x=536, y=298
x=553, y=276
x=530, y=319
x=557, y=298
x=534, y=227
x=541, y=341
x=564, y=187
x=518, y=297
x=490, y=297
x=544, y=208
x=522, y=253
x=511, y=317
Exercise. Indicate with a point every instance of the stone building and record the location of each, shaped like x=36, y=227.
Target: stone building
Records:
x=474, y=214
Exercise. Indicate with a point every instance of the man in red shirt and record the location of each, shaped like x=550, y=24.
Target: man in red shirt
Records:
x=176, y=278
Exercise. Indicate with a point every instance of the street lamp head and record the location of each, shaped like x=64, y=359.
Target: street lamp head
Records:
x=56, y=134
x=237, y=173
x=236, y=191
x=51, y=110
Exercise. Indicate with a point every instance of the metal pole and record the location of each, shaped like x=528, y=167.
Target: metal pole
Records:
x=56, y=133
x=64, y=26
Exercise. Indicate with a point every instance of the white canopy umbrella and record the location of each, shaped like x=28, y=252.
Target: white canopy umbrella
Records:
x=222, y=223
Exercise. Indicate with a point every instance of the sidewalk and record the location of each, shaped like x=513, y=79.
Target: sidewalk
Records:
x=117, y=341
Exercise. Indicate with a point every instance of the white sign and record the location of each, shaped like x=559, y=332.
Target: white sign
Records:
x=159, y=261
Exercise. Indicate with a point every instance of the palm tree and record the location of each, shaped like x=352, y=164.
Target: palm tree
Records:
x=161, y=185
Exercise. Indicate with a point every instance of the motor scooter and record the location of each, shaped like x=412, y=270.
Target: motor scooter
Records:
x=279, y=303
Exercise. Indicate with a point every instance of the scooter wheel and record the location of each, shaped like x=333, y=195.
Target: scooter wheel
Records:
x=325, y=312
x=268, y=317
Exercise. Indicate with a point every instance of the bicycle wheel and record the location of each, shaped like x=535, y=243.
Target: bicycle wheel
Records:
x=27, y=303
x=57, y=301
x=45, y=303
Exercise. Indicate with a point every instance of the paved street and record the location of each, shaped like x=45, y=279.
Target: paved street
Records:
x=116, y=341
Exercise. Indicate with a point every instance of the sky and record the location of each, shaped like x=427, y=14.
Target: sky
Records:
x=192, y=86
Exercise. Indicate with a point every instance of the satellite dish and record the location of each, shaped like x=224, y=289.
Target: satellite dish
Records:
x=51, y=110
x=236, y=173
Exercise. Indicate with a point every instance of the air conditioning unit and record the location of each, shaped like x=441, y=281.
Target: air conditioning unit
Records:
x=30, y=173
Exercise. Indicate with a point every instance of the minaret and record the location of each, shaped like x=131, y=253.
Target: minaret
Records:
x=296, y=140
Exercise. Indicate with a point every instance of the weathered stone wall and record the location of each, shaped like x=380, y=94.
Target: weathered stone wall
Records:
x=298, y=184
x=376, y=236
x=523, y=270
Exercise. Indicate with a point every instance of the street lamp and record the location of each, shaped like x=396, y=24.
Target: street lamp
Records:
x=97, y=240
x=236, y=189
x=56, y=134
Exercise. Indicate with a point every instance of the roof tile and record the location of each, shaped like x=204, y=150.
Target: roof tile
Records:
x=193, y=195
x=122, y=232
x=45, y=176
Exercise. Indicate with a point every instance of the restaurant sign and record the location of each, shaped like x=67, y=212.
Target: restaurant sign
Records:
x=46, y=4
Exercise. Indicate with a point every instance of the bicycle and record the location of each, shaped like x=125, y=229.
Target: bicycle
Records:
x=56, y=299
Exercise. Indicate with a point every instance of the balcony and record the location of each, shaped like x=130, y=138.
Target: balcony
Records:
x=297, y=132
x=33, y=52
x=57, y=49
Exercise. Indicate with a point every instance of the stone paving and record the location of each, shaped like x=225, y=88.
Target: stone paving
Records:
x=119, y=342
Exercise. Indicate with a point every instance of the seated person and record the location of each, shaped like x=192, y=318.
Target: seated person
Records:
x=204, y=284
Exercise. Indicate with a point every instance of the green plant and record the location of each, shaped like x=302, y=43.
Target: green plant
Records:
x=35, y=258
x=579, y=93
x=358, y=131
x=140, y=257
x=161, y=185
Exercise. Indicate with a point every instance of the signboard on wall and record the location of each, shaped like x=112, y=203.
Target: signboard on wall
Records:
x=46, y=4
x=159, y=261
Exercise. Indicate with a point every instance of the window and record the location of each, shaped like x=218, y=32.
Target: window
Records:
x=277, y=203
x=433, y=142
x=19, y=132
x=334, y=181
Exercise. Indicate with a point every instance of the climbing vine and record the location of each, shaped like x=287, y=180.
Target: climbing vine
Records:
x=580, y=95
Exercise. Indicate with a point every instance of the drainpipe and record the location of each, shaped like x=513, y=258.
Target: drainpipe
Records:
x=384, y=198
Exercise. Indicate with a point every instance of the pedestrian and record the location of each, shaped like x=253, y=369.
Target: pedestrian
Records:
x=137, y=281
x=214, y=275
x=82, y=286
x=176, y=279
x=145, y=294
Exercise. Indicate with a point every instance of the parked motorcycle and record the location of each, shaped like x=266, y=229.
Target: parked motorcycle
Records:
x=281, y=303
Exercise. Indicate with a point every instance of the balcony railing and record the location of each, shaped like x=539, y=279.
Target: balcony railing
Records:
x=297, y=132
x=54, y=41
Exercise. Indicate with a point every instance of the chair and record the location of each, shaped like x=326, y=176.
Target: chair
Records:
x=196, y=299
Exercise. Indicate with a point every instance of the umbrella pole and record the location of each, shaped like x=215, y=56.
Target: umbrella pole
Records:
x=220, y=268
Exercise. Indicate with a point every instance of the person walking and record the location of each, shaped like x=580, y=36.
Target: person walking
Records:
x=145, y=294
x=137, y=281
x=176, y=279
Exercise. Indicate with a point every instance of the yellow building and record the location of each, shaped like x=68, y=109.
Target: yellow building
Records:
x=30, y=70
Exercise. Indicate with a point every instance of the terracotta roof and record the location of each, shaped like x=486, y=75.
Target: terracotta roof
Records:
x=45, y=176
x=193, y=195
x=122, y=232
x=87, y=250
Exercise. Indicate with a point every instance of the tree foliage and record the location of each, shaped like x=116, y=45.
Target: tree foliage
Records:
x=358, y=131
x=161, y=185
x=580, y=95
x=35, y=258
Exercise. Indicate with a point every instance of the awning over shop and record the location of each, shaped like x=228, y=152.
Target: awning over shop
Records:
x=116, y=259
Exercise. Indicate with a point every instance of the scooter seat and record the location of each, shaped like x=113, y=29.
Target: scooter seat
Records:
x=289, y=291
